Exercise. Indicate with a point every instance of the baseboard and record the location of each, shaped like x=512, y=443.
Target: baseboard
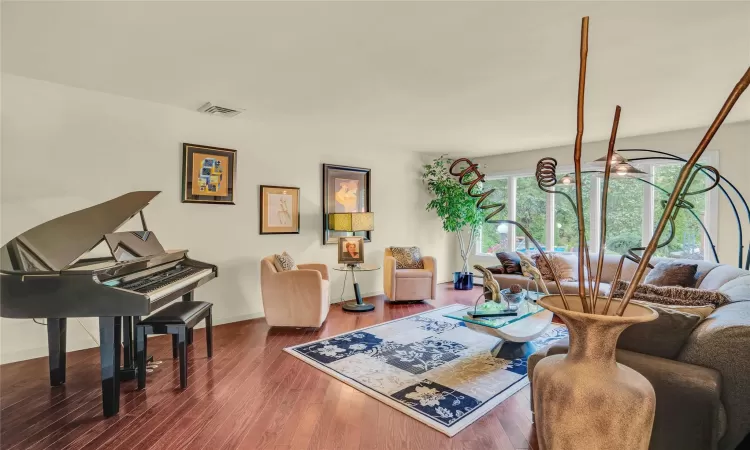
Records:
x=364, y=295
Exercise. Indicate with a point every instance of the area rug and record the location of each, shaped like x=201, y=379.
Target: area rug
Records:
x=427, y=366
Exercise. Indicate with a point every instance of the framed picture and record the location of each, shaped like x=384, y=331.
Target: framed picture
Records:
x=279, y=210
x=208, y=174
x=351, y=250
x=345, y=189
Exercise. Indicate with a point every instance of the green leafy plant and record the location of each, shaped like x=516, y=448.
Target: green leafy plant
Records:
x=456, y=208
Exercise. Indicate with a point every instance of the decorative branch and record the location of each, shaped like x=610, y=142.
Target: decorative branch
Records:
x=678, y=193
x=605, y=192
x=582, y=249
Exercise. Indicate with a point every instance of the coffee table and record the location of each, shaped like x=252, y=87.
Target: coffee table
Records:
x=516, y=332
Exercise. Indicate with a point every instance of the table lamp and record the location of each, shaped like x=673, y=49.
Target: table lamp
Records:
x=351, y=222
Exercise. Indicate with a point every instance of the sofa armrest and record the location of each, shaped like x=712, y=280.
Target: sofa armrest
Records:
x=722, y=342
x=689, y=412
x=322, y=268
x=430, y=263
x=389, y=277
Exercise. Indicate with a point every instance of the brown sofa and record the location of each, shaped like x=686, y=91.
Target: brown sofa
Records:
x=703, y=395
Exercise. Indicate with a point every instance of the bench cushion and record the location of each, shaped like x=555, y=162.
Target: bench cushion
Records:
x=179, y=313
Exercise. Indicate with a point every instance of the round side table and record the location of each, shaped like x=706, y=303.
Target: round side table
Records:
x=358, y=305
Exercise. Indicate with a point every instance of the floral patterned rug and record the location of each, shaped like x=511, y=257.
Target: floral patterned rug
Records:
x=427, y=366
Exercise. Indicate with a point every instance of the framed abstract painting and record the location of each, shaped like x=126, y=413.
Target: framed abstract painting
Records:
x=279, y=210
x=208, y=174
x=345, y=189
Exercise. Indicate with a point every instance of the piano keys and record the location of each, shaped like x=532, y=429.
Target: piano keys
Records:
x=44, y=273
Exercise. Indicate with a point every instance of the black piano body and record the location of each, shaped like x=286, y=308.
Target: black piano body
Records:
x=43, y=275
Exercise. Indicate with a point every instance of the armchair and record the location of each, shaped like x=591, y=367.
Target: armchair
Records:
x=296, y=298
x=409, y=284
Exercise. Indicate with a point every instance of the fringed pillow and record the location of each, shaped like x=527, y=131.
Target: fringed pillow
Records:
x=564, y=270
x=672, y=295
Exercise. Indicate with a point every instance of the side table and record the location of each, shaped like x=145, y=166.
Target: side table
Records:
x=358, y=305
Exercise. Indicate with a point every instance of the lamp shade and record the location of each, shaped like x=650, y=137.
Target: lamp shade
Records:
x=360, y=221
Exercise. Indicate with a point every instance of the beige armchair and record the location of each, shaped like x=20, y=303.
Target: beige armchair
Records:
x=296, y=298
x=409, y=284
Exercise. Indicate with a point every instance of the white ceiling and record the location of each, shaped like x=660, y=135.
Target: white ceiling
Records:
x=475, y=77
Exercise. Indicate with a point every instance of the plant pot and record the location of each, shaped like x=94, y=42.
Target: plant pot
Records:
x=585, y=399
x=463, y=281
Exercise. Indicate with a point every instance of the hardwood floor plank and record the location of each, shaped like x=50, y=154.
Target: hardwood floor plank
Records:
x=251, y=394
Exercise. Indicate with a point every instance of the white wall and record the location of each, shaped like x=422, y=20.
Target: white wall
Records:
x=65, y=148
x=732, y=143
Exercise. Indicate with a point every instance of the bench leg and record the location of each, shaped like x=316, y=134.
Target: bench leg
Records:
x=209, y=335
x=140, y=351
x=182, y=350
x=174, y=346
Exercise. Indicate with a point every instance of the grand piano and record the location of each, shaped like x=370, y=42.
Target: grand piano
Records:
x=45, y=273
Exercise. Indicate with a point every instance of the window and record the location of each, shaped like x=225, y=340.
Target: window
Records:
x=688, y=237
x=633, y=210
x=494, y=237
x=625, y=214
x=531, y=212
x=566, y=220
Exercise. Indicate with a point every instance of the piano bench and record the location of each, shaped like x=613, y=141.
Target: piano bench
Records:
x=175, y=319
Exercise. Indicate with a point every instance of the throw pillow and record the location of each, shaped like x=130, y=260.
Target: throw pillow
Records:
x=562, y=267
x=664, y=336
x=672, y=273
x=407, y=257
x=510, y=261
x=284, y=262
x=499, y=269
x=672, y=295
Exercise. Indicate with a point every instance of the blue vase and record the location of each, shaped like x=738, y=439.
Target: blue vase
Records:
x=463, y=281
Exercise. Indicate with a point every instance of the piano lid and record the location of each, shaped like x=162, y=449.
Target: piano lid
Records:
x=60, y=242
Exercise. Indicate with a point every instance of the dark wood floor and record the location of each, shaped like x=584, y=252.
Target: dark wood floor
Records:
x=251, y=395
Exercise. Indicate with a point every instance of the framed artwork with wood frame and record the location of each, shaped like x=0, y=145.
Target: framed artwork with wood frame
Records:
x=208, y=174
x=345, y=189
x=279, y=210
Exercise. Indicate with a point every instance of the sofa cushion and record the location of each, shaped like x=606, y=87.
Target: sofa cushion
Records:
x=510, y=261
x=407, y=257
x=284, y=262
x=672, y=273
x=505, y=280
x=665, y=336
x=673, y=295
x=720, y=276
x=413, y=273
x=571, y=287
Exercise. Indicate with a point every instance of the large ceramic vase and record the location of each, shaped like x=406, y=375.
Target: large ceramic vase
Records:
x=585, y=399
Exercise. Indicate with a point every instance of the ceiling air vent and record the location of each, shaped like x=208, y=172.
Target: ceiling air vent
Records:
x=216, y=110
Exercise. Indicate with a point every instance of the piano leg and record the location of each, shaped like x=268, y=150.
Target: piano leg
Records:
x=189, y=298
x=109, y=351
x=127, y=341
x=56, y=337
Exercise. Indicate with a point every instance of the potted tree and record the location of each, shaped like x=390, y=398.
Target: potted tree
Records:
x=458, y=211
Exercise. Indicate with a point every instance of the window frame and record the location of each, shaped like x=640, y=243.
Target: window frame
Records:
x=649, y=195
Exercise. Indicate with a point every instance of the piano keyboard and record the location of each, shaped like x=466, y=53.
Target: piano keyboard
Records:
x=162, y=283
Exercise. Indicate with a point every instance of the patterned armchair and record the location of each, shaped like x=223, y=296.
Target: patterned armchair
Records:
x=409, y=284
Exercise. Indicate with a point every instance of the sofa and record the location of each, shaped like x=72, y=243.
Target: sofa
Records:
x=703, y=395
x=409, y=284
x=294, y=298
